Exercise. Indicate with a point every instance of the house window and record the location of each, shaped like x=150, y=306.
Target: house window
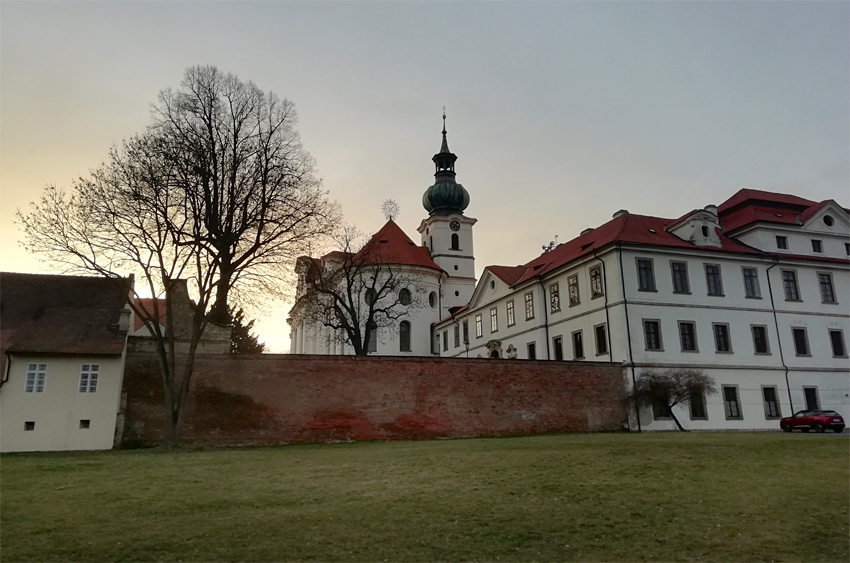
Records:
x=36, y=375
x=88, y=378
x=370, y=296
x=601, y=339
x=801, y=341
x=646, y=278
x=578, y=345
x=510, y=307
x=558, y=345
x=455, y=242
x=817, y=246
x=29, y=425
x=652, y=334
x=432, y=299
x=373, y=340
x=688, y=336
x=457, y=336
x=494, y=319
x=731, y=404
x=445, y=341
x=479, y=328
x=404, y=336
x=722, y=343
x=529, y=306
x=781, y=242
x=836, y=337
x=847, y=248
x=827, y=291
x=712, y=279
x=760, y=343
x=812, y=400
x=789, y=282
x=466, y=332
x=572, y=289
x=751, y=283
x=85, y=424
x=771, y=403
x=596, y=289
x=554, y=298
x=680, y=277
x=532, y=350
x=661, y=405
x=404, y=296
x=697, y=403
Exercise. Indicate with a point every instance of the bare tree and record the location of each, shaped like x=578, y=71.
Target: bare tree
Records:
x=355, y=291
x=664, y=389
x=215, y=197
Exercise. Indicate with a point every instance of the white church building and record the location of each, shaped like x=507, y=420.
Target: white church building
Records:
x=754, y=292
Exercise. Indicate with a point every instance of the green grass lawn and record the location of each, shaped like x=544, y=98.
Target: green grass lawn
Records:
x=598, y=497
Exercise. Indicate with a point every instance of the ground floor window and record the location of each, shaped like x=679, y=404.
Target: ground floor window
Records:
x=771, y=403
x=558, y=345
x=532, y=350
x=601, y=340
x=578, y=345
x=404, y=336
x=812, y=401
x=697, y=405
x=731, y=403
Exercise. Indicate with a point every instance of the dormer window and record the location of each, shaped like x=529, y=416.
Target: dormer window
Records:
x=705, y=231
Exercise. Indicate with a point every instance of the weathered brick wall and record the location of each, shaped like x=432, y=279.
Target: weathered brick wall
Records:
x=273, y=399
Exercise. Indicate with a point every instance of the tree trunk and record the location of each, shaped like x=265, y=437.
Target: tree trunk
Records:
x=676, y=420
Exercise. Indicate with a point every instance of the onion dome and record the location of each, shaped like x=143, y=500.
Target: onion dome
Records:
x=446, y=196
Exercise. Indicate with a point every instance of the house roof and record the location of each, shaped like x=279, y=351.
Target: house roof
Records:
x=52, y=314
x=772, y=199
x=390, y=245
x=152, y=306
x=752, y=206
x=508, y=274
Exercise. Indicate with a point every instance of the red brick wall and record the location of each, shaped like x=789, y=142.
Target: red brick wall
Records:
x=273, y=399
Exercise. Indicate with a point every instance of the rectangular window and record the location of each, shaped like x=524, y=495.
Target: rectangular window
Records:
x=817, y=246
x=29, y=425
x=572, y=290
x=731, y=404
x=88, y=378
x=596, y=289
x=771, y=403
x=85, y=424
x=403, y=336
x=479, y=328
x=373, y=340
x=601, y=339
x=789, y=282
x=532, y=350
x=554, y=298
x=652, y=334
x=760, y=343
x=713, y=282
x=466, y=332
x=827, y=291
x=722, y=343
x=836, y=337
x=680, y=277
x=494, y=319
x=529, y=306
x=801, y=341
x=751, y=283
x=812, y=400
x=510, y=308
x=578, y=345
x=847, y=248
x=445, y=341
x=36, y=376
x=781, y=242
x=646, y=277
x=457, y=336
x=558, y=345
x=688, y=336
x=697, y=403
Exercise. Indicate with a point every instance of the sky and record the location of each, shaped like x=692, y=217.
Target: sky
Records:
x=560, y=113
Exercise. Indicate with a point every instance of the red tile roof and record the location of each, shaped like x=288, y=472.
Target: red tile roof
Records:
x=152, y=306
x=508, y=274
x=51, y=314
x=391, y=246
x=746, y=195
x=752, y=206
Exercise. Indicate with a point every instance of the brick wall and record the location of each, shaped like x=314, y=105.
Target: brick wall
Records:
x=273, y=399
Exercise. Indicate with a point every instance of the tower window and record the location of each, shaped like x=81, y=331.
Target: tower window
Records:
x=455, y=242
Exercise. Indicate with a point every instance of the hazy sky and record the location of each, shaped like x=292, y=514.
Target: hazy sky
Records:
x=560, y=113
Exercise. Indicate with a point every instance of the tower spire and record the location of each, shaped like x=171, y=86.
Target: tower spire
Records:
x=444, y=148
x=446, y=196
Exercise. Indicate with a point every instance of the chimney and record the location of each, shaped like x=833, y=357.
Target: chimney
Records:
x=620, y=212
x=711, y=209
x=587, y=230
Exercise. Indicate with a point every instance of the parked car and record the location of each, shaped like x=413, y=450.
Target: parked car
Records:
x=816, y=420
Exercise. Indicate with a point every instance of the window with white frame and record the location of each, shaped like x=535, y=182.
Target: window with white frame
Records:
x=827, y=290
x=679, y=270
x=713, y=281
x=789, y=283
x=760, y=341
x=646, y=276
x=529, y=306
x=494, y=319
x=801, y=341
x=510, y=309
x=479, y=328
x=722, y=341
x=36, y=376
x=596, y=288
x=572, y=290
x=600, y=333
x=578, y=345
x=771, y=403
x=751, y=283
x=836, y=338
x=652, y=334
x=731, y=402
x=88, y=378
x=554, y=298
x=688, y=336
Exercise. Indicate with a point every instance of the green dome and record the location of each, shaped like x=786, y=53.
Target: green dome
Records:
x=445, y=197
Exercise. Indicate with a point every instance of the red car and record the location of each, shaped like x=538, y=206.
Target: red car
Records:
x=813, y=420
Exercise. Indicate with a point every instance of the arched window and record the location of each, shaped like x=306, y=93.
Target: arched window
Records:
x=704, y=231
x=404, y=336
x=455, y=242
x=370, y=296
x=404, y=296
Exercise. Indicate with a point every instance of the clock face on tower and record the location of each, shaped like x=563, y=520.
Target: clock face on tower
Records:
x=455, y=225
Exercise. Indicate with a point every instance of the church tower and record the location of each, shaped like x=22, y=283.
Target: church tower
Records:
x=447, y=232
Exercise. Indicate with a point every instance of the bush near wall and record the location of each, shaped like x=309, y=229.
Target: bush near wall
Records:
x=275, y=399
